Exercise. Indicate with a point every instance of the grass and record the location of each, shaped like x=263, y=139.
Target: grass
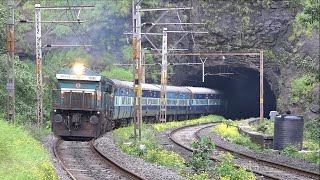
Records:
x=291, y=151
x=22, y=157
x=233, y=135
x=148, y=148
x=225, y=169
x=161, y=127
x=266, y=127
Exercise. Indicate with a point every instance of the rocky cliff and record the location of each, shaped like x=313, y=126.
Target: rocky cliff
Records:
x=290, y=51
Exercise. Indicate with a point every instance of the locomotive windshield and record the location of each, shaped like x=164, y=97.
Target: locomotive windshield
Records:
x=77, y=95
x=77, y=91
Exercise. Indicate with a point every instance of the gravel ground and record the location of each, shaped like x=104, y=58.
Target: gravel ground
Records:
x=163, y=139
x=48, y=143
x=147, y=170
x=272, y=156
x=83, y=163
x=151, y=171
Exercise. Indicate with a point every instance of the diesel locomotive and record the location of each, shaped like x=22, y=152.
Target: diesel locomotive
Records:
x=86, y=104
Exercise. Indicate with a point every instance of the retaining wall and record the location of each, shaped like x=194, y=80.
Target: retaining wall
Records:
x=264, y=140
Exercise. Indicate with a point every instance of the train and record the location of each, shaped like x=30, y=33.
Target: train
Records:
x=85, y=104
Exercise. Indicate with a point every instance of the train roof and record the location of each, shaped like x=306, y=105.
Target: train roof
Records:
x=86, y=71
x=129, y=84
x=118, y=83
x=86, y=75
x=151, y=87
x=154, y=87
x=201, y=90
x=176, y=89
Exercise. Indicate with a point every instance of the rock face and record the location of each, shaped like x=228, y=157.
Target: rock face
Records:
x=251, y=26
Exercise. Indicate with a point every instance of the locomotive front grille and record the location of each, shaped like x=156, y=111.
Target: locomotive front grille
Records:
x=78, y=100
x=74, y=100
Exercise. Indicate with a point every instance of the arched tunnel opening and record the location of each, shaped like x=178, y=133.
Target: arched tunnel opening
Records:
x=241, y=88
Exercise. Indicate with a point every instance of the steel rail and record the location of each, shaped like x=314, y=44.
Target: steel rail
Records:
x=304, y=172
x=211, y=158
x=116, y=166
x=113, y=163
x=57, y=155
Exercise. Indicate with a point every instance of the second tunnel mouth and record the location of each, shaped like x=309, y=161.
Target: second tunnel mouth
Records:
x=241, y=87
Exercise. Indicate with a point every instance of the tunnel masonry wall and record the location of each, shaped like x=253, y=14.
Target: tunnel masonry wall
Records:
x=264, y=140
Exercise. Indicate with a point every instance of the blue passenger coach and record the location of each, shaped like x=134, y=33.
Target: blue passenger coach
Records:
x=204, y=100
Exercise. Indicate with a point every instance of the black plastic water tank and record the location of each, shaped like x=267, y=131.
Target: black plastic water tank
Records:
x=288, y=130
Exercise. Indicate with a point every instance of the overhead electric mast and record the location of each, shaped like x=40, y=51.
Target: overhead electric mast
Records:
x=164, y=78
x=10, y=62
x=39, y=47
x=136, y=57
x=137, y=54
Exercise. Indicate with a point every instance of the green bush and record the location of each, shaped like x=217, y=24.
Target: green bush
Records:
x=266, y=127
x=200, y=155
x=148, y=148
x=161, y=127
x=226, y=169
x=246, y=141
x=301, y=86
x=312, y=130
x=21, y=156
x=196, y=176
x=291, y=151
x=233, y=135
x=119, y=73
x=2, y=26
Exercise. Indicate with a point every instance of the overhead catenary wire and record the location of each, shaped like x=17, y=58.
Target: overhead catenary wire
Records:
x=72, y=26
x=80, y=25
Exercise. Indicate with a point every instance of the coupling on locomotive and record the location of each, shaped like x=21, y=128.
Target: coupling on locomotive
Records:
x=86, y=104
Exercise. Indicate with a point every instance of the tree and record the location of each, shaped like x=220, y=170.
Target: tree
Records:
x=2, y=26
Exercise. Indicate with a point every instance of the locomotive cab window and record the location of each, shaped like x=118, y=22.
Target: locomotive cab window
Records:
x=108, y=88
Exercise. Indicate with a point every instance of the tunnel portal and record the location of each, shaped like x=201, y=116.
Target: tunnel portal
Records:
x=241, y=88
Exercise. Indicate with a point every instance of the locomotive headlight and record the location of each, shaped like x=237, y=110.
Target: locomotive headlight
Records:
x=78, y=69
x=94, y=119
x=55, y=110
x=57, y=118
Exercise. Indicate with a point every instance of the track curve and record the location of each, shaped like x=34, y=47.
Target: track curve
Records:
x=82, y=160
x=184, y=136
x=277, y=170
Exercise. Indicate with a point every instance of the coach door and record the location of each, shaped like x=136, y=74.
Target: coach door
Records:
x=108, y=100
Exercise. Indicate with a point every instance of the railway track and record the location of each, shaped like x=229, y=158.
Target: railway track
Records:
x=81, y=160
x=263, y=168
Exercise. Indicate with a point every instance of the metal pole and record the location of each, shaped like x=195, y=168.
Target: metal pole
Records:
x=139, y=93
x=136, y=57
x=10, y=62
x=143, y=62
x=203, y=72
x=261, y=86
x=39, y=66
x=163, y=100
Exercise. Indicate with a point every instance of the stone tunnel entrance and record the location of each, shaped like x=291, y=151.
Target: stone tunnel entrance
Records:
x=241, y=88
